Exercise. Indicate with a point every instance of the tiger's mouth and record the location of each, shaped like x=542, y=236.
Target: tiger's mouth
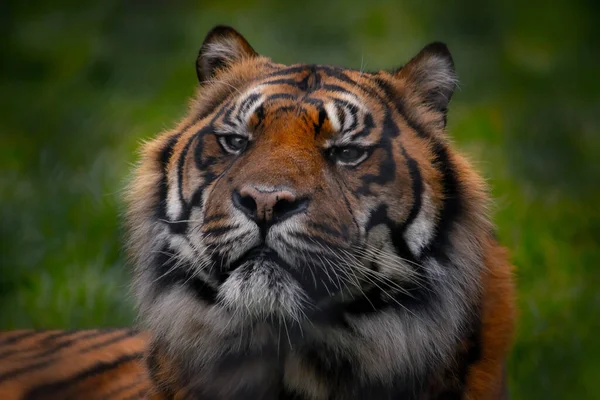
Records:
x=260, y=285
x=254, y=255
x=261, y=252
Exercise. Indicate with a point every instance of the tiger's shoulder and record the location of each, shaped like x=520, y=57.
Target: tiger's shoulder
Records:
x=82, y=364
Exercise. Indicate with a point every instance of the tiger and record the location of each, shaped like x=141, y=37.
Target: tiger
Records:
x=305, y=232
x=78, y=364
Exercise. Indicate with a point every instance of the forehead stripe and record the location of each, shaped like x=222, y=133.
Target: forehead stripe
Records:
x=332, y=115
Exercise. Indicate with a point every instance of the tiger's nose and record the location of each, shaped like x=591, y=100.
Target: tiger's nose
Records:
x=267, y=206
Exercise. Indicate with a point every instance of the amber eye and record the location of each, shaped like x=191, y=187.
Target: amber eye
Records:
x=349, y=155
x=233, y=144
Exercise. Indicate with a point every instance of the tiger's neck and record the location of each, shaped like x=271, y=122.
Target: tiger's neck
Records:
x=397, y=351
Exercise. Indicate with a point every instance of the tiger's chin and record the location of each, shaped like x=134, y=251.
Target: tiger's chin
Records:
x=259, y=287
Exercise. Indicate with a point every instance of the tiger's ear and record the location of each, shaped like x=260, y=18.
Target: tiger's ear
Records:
x=222, y=47
x=431, y=74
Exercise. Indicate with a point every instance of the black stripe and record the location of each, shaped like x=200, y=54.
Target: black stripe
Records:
x=260, y=115
x=322, y=116
x=10, y=353
x=340, y=114
x=168, y=276
x=340, y=75
x=164, y=157
x=284, y=109
x=417, y=190
x=179, y=226
x=387, y=166
x=400, y=106
x=303, y=84
x=413, y=295
x=203, y=164
x=58, y=335
x=212, y=106
x=282, y=82
x=23, y=370
x=226, y=107
x=371, y=302
x=228, y=115
x=380, y=216
x=369, y=125
x=312, y=239
x=152, y=365
x=43, y=391
x=128, y=333
x=313, y=101
x=35, y=346
x=316, y=279
x=219, y=229
x=52, y=350
x=19, y=337
x=452, y=205
x=245, y=105
x=214, y=217
x=288, y=71
x=279, y=96
x=352, y=109
x=201, y=290
x=229, y=241
x=336, y=88
x=311, y=81
x=468, y=354
x=410, y=299
x=328, y=230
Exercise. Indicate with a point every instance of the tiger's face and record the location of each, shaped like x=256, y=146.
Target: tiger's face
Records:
x=295, y=174
x=291, y=190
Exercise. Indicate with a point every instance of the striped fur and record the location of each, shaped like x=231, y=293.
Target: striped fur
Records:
x=309, y=232
x=87, y=364
x=379, y=279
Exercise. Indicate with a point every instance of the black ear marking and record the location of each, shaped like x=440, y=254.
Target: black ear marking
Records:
x=222, y=47
x=431, y=74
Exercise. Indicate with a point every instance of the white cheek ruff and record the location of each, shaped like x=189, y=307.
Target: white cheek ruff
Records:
x=380, y=250
x=420, y=232
x=173, y=201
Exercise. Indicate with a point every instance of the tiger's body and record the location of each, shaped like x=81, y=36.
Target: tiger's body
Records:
x=309, y=232
x=85, y=364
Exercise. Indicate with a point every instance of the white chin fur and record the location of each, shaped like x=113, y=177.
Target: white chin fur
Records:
x=261, y=289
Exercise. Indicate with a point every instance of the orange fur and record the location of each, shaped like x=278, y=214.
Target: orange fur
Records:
x=87, y=364
x=113, y=364
x=485, y=379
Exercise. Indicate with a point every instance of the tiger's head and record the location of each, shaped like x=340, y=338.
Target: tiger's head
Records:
x=305, y=193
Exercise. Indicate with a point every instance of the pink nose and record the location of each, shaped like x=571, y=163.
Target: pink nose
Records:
x=267, y=206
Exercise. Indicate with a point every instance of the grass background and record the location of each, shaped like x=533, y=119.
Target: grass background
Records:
x=81, y=83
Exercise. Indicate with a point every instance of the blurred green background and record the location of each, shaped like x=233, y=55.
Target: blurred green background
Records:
x=82, y=83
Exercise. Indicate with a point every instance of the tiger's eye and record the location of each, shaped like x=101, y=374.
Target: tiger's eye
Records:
x=234, y=143
x=349, y=154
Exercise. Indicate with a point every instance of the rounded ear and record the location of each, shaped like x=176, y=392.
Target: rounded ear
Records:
x=431, y=74
x=222, y=47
